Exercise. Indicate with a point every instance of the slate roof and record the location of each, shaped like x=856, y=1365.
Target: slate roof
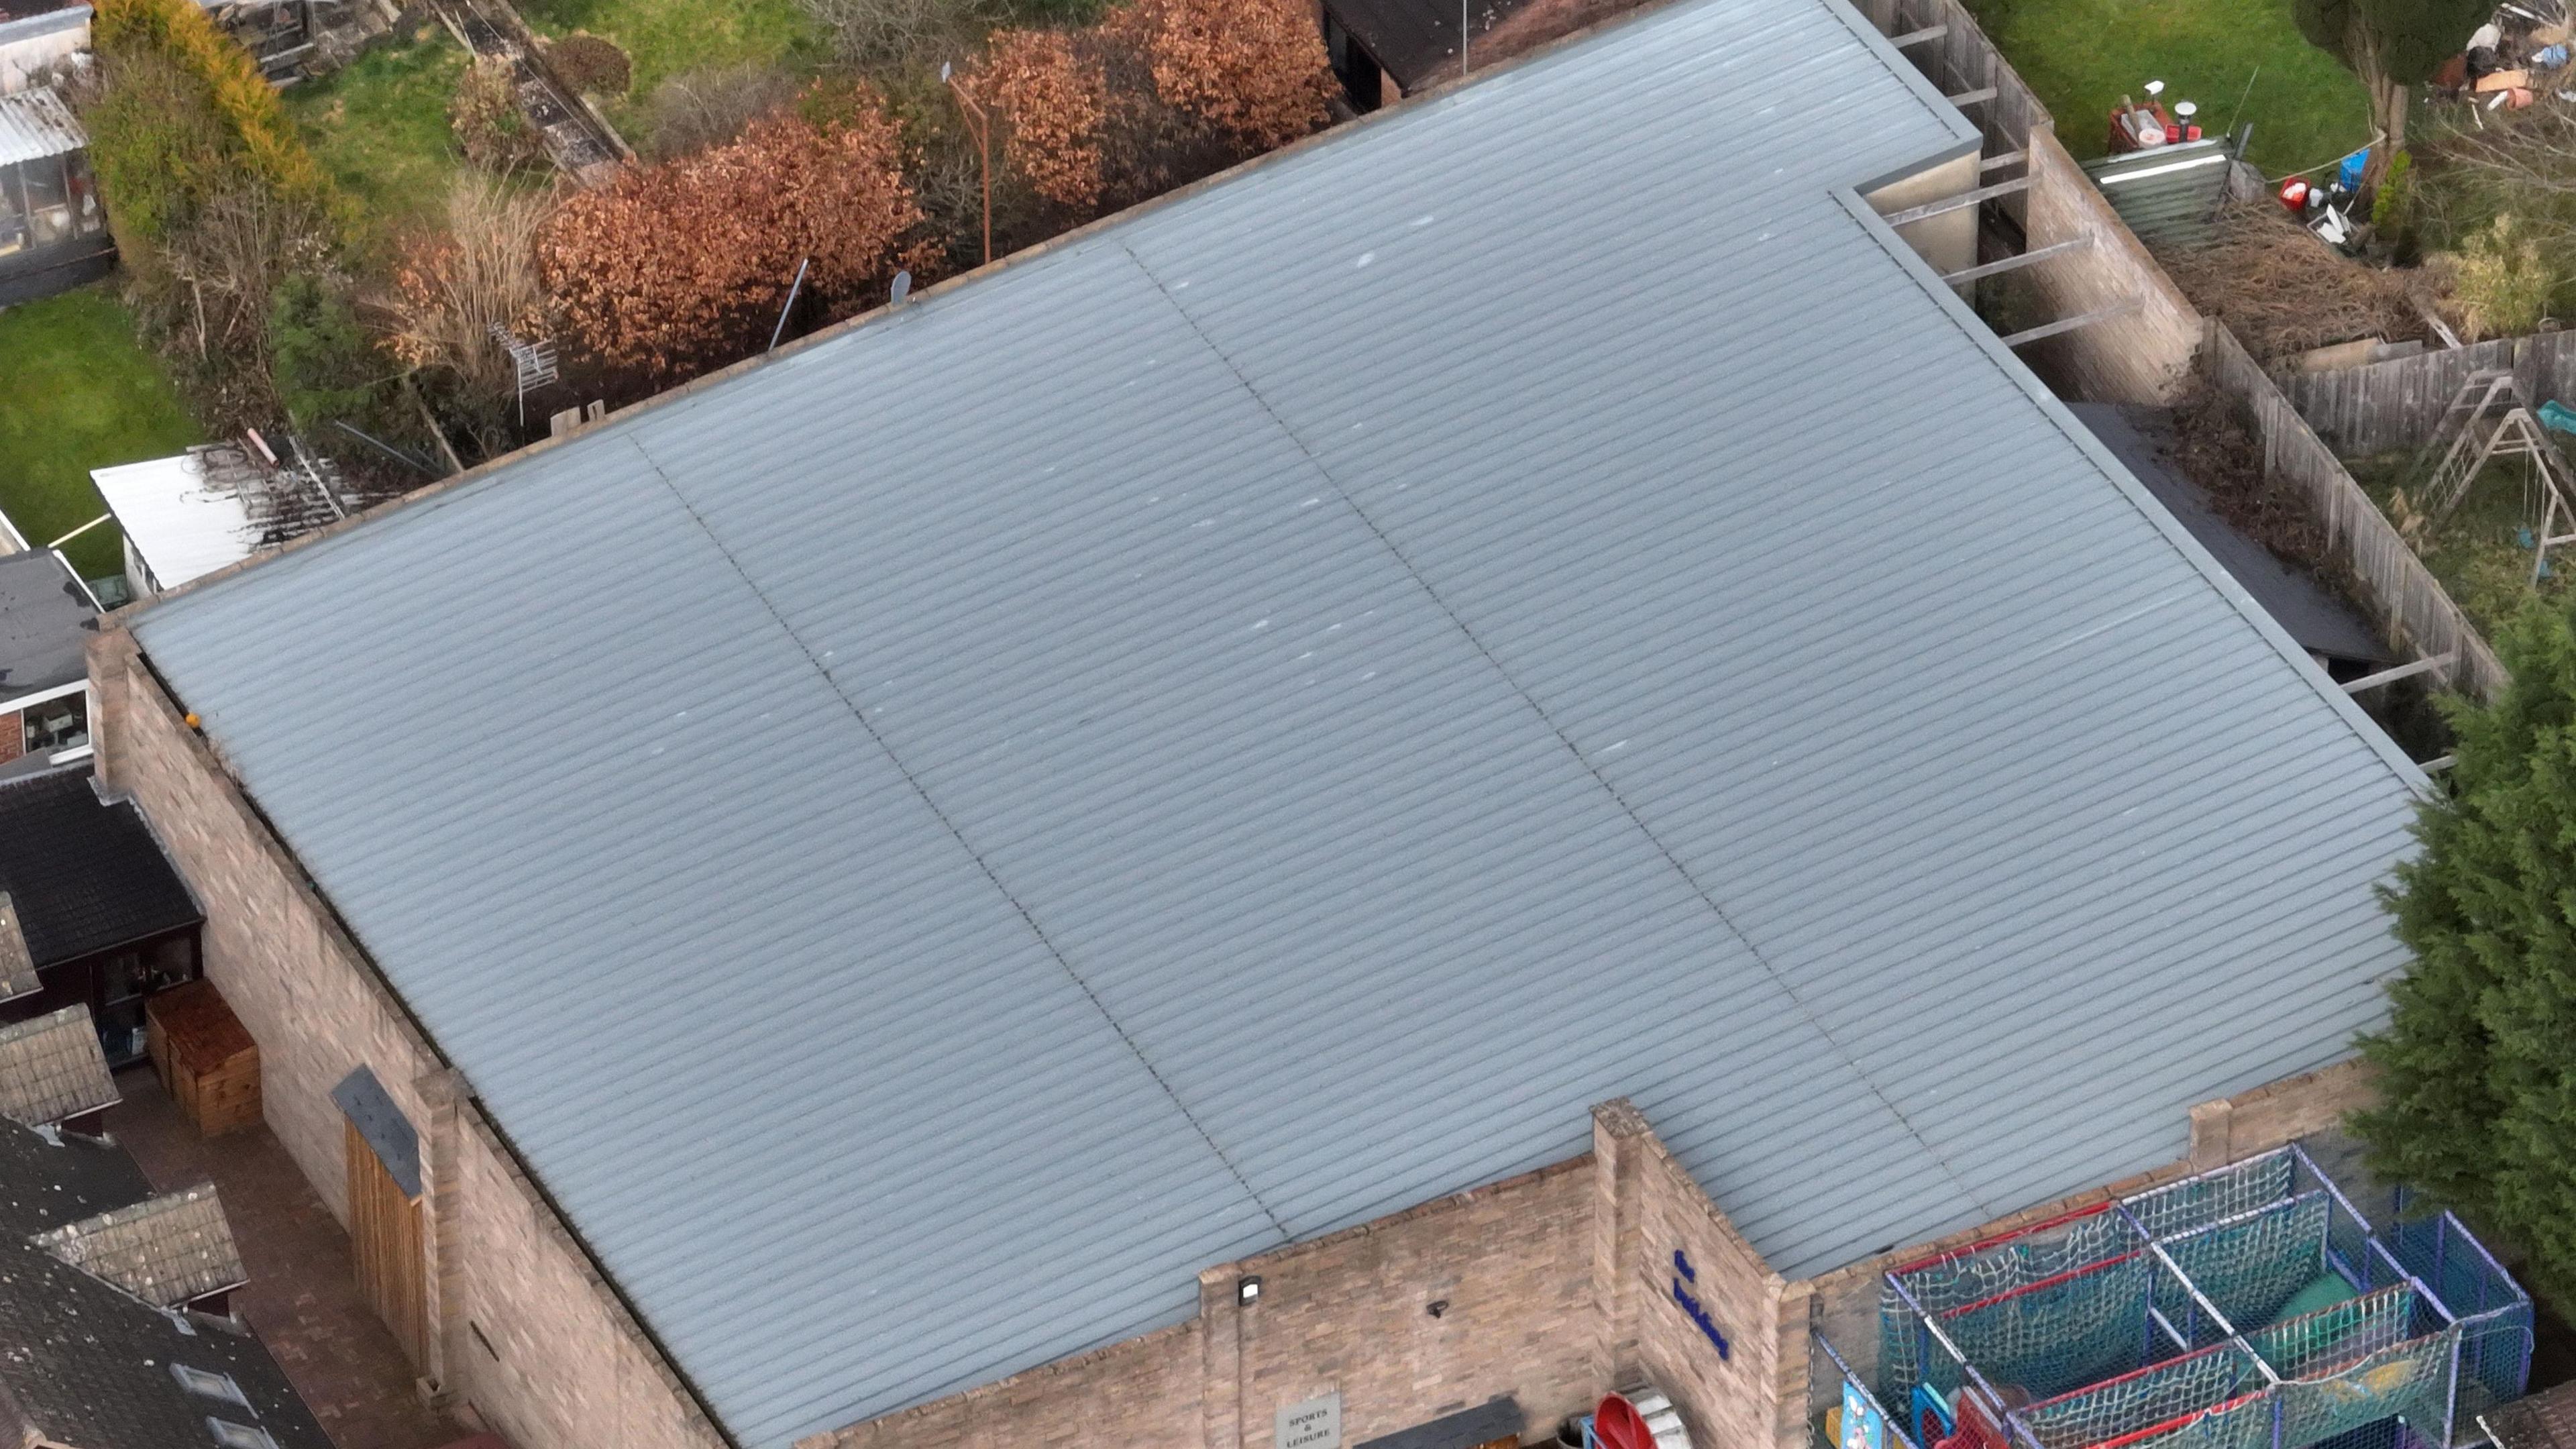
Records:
x=51, y=1068
x=84, y=1362
x=1261, y=714
x=44, y=619
x=85, y=875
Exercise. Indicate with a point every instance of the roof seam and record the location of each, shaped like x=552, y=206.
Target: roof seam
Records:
x=1706, y=896
x=932, y=804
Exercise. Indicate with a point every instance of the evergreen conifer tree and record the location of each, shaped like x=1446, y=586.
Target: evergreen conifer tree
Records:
x=2477, y=1066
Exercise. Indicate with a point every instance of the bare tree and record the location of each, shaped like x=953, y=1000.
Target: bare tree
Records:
x=699, y=109
x=885, y=34
x=456, y=284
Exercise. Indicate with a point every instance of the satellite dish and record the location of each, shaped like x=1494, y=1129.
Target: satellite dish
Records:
x=902, y=288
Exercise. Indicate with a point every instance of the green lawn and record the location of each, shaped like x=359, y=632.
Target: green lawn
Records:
x=380, y=128
x=83, y=393
x=2477, y=553
x=666, y=37
x=2081, y=56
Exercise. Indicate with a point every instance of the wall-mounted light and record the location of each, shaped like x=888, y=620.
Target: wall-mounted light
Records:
x=1436, y=1307
x=1247, y=1291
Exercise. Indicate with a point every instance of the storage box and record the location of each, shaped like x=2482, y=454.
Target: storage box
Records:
x=206, y=1060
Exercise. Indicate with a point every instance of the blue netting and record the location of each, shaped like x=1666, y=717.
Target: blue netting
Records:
x=2146, y=1398
x=2217, y=1313
x=2252, y=1266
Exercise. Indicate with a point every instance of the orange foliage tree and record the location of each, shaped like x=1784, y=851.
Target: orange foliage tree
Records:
x=1058, y=102
x=1158, y=92
x=676, y=268
x=1255, y=69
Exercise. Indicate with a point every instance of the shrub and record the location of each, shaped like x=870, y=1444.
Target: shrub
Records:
x=2498, y=284
x=319, y=360
x=1057, y=104
x=1254, y=68
x=591, y=64
x=2388, y=208
x=682, y=266
x=490, y=128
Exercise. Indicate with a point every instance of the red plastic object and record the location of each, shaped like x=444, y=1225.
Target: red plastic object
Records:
x=2294, y=194
x=1618, y=1425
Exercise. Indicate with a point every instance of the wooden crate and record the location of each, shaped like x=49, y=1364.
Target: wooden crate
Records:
x=206, y=1060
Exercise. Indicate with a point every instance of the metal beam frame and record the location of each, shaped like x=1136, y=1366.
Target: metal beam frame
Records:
x=1947, y=204
x=2019, y=260
x=2069, y=324
x=2442, y=660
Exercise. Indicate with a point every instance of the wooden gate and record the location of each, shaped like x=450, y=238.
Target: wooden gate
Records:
x=384, y=1237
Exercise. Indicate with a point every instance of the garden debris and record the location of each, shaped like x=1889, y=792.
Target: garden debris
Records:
x=2281, y=292
x=2216, y=446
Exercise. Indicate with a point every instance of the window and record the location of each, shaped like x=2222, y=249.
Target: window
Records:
x=210, y=1385
x=239, y=1436
x=49, y=205
x=13, y=212
x=57, y=724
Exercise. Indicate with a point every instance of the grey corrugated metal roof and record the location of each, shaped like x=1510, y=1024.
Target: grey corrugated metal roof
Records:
x=35, y=123
x=1259, y=716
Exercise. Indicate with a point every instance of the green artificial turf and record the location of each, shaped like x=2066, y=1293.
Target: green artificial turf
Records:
x=379, y=126
x=2081, y=56
x=84, y=392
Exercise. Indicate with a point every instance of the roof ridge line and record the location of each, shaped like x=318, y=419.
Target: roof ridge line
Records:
x=1706, y=896
x=992, y=877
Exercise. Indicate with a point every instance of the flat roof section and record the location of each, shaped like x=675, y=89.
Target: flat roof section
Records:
x=45, y=614
x=1261, y=714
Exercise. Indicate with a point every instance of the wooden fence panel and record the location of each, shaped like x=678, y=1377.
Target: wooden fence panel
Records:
x=2410, y=603
x=2396, y=405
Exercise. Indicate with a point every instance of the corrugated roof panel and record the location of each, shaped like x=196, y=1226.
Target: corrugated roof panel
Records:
x=35, y=123
x=1261, y=715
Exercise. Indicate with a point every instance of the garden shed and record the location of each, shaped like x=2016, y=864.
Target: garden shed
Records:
x=53, y=232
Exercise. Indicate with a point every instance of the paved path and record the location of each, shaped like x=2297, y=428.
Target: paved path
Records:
x=303, y=1297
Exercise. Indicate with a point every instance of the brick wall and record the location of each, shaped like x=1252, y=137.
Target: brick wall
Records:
x=1682, y=1245
x=2232, y=1128
x=569, y=1366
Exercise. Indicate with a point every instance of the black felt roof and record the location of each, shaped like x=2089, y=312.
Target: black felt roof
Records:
x=1417, y=40
x=86, y=875
x=84, y=1363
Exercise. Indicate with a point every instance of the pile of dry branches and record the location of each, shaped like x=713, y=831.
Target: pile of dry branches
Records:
x=2282, y=291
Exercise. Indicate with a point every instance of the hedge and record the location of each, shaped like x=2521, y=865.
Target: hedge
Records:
x=182, y=32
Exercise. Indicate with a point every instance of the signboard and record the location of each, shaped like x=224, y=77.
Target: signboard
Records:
x=1862, y=1426
x=1310, y=1424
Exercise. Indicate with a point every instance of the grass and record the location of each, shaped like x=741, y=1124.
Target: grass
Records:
x=2081, y=56
x=663, y=38
x=84, y=392
x=379, y=126
x=2477, y=552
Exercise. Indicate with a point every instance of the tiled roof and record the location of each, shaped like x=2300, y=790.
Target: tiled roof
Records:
x=165, y=1250
x=86, y=875
x=87, y=1363
x=51, y=1068
x=17, y=966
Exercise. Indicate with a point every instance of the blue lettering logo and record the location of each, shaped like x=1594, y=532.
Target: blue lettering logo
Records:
x=1699, y=1314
